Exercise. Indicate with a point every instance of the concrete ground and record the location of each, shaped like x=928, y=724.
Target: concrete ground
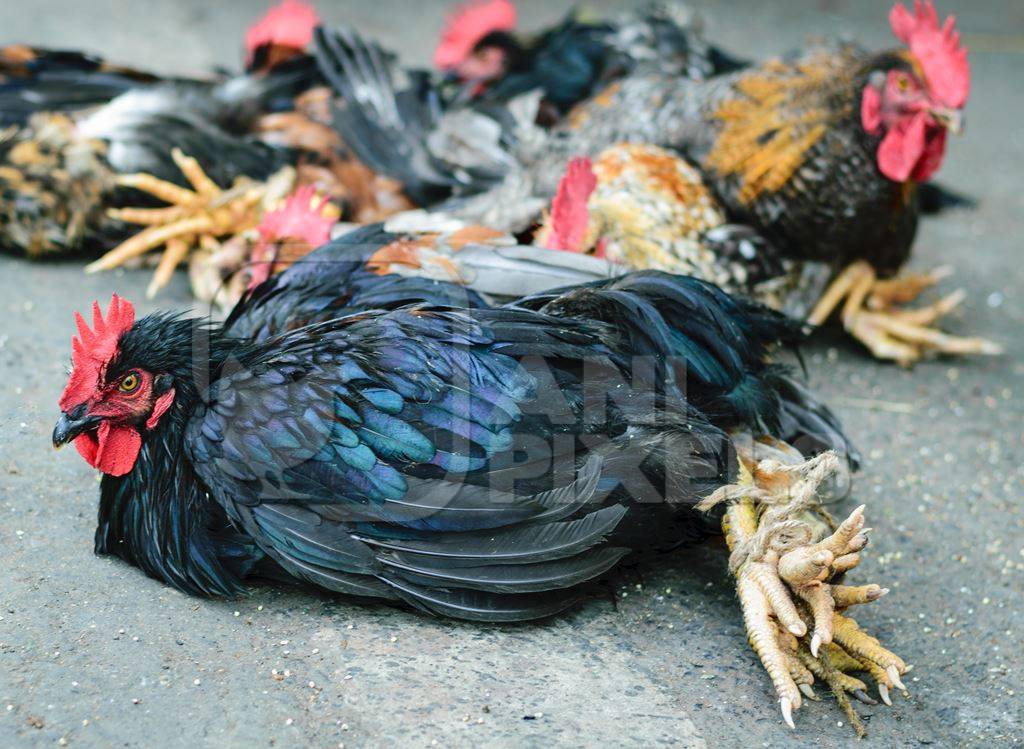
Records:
x=94, y=654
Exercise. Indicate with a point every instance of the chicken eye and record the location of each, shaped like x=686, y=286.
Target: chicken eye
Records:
x=129, y=383
x=902, y=83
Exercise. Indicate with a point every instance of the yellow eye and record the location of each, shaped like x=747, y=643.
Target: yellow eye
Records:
x=902, y=83
x=129, y=383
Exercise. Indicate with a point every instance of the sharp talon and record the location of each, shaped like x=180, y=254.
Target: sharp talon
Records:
x=894, y=675
x=864, y=697
x=882, y=592
x=815, y=644
x=787, y=712
x=797, y=631
x=808, y=691
x=883, y=692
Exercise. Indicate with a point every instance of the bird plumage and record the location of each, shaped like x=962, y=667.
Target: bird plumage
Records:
x=475, y=461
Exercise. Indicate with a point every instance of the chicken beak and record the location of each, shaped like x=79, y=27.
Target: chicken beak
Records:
x=72, y=425
x=951, y=119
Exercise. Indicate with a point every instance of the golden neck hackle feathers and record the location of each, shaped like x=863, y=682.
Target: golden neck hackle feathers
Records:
x=779, y=112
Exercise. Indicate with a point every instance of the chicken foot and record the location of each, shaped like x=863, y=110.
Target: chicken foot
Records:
x=871, y=314
x=200, y=215
x=793, y=610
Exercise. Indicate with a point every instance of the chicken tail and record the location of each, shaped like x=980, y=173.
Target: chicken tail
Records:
x=34, y=79
x=386, y=130
x=407, y=134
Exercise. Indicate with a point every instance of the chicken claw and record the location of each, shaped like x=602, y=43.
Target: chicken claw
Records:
x=871, y=315
x=806, y=568
x=764, y=599
x=200, y=215
x=793, y=608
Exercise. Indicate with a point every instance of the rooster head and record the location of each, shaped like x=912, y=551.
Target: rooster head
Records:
x=570, y=225
x=476, y=44
x=109, y=402
x=299, y=226
x=915, y=100
x=284, y=31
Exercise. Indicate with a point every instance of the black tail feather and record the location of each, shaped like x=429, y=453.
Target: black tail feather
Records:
x=385, y=129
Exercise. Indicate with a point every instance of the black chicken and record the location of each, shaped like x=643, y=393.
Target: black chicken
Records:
x=377, y=437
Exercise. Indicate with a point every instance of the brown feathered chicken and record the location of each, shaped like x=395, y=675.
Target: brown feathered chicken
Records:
x=642, y=207
x=822, y=154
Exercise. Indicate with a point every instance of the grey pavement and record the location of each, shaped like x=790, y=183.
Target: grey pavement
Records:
x=94, y=654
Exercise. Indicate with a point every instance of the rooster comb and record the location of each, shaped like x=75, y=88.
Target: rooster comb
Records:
x=470, y=23
x=570, y=216
x=937, y=50
x=288, y=24
x=301, y=216
x=94, y=347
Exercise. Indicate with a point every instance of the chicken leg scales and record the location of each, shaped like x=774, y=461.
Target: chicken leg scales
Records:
x=785, y=583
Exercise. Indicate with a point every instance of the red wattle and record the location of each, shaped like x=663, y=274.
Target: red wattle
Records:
x=934, y=150
x=87, y=447
x=902, y=147
x=116, y=451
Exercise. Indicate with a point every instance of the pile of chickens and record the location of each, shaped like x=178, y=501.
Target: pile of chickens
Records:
x=797, y=182
x=427, y=273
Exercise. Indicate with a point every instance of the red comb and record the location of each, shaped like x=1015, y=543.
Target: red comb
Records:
x=301, y=218
x=569, y=212
x=92, y=349
x=470, y=23
x=288, y=24
x=938, y=50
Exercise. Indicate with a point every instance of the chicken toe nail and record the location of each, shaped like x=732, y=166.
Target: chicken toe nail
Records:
x=787, y=712
x=864, y=697
x=894, y=675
